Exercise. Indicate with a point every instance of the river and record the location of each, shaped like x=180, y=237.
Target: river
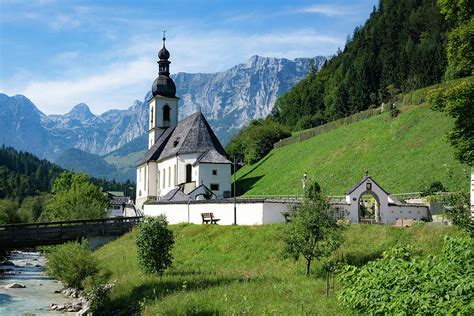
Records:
x=38, y=294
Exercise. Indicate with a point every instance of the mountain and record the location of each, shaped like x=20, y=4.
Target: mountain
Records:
x=229, y=99
x=80, y=161
x=26, y=128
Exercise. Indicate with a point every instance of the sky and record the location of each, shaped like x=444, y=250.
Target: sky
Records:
x=60, y=53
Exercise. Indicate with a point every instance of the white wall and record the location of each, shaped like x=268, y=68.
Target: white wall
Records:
x=257, y=213
x=222, y=178
x=156, y=122
x=167, y=166
x=405, y=212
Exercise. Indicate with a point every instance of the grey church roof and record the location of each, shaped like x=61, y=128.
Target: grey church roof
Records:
x=191, y=135
x=175, y=195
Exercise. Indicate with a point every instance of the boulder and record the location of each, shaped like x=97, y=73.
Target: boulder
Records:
x=15, y=286
x=7, y=263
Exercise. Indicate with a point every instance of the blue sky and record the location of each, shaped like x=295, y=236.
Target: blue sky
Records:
x=103, y=53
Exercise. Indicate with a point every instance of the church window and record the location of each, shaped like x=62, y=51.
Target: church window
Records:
x=169, y=176
x=175, y=175
x=140, y=174
x=176, y=142
x=151, y=117
x=144, y=177
x=214, y=187
x=164, y=178
x=214, y=172
x=158, y=180
x=189, y=169
x=166, y=115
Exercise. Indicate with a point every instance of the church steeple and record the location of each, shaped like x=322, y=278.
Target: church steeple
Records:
x=164, y=103
x=164, y=55
x=164, y=85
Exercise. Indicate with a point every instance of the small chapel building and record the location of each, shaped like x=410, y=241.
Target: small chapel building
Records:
x=185, y=160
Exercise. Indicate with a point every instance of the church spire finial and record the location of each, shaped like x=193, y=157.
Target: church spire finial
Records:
x=164, y=37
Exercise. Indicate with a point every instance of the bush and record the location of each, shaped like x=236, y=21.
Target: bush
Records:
x=71, y=263
x=154, y=243
x=403, y=282
x=8, y=212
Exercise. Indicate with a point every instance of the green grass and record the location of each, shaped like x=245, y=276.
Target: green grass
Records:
x=235, y=270
x=403, y=154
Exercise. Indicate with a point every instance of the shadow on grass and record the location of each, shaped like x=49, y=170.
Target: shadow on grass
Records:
x=243, y=185
x=358, y=259
x=255, y=166
x=158, y=289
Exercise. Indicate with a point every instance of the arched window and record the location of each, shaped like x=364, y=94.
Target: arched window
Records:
x=164, y=178
x=166, y=115
x=151, y=116
x=189, y=169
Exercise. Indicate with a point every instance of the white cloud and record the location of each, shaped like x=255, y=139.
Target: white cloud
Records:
x=117, y=85
x=327, y=10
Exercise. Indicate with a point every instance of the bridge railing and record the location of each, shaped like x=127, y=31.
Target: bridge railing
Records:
x=53, y=232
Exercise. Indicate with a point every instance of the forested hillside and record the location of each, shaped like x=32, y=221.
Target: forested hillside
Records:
x=402, y=45
x=23, y=174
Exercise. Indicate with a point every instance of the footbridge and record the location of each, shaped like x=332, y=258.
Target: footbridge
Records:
x=14, y=236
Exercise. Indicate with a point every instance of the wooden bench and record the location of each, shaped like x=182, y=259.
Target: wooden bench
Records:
x=208, y=218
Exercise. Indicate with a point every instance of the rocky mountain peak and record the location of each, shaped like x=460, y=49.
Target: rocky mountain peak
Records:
x=80, y=112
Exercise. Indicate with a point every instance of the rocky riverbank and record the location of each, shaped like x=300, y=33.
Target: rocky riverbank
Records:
x=26, y=289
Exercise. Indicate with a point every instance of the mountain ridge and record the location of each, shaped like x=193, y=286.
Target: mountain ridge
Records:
x=229, y=99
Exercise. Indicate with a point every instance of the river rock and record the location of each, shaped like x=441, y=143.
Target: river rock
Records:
x=15, y=286
x=83, y=311
x=7, y=263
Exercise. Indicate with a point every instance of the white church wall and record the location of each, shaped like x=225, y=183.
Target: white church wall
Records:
x=183, y=160
x=255, y=213
x=167, y=169
x=141, y=194
x=221, y=178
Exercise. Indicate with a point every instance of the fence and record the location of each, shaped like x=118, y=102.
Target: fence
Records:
x=307, y=134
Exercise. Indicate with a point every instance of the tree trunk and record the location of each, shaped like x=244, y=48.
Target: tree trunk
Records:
x=308, y=265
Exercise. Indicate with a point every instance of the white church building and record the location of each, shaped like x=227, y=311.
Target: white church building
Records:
x=185, y=160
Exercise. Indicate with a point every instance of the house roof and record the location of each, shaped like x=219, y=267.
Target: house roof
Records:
x=191, y=135
x=175, y=195
x=358, y=184
x=201, y=190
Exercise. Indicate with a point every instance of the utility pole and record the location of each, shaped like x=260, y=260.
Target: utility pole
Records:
x=235, y=191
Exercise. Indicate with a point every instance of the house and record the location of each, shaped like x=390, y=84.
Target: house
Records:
x=121, y=205
x=184, y=156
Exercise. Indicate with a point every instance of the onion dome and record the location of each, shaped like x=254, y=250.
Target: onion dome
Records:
x=164, y=85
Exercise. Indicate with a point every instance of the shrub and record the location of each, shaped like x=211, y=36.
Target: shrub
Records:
x=154, y=243
x=403, y=282
x=71, y=263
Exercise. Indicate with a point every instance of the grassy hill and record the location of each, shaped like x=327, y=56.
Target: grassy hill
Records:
x=238, y=269
x=403, y=154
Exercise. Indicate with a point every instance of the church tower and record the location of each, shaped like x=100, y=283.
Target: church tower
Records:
x=164, y=102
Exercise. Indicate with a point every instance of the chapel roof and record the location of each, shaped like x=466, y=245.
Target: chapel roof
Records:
x=191, y=135
x=355, y=186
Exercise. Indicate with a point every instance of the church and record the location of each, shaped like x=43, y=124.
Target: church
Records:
x=185, y=160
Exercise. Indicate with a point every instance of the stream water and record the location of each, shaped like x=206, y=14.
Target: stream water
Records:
x=38, y=294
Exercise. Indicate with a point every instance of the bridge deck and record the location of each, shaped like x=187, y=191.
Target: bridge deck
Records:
x=50, y=233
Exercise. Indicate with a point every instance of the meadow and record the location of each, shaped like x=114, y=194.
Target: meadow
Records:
x=239, y=269
x=403, y=154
